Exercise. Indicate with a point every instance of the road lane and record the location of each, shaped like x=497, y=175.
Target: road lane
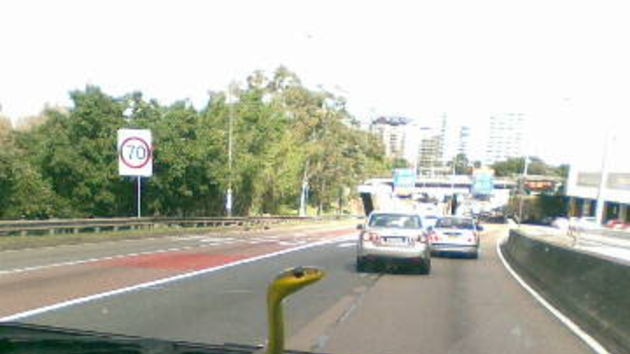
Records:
x=463, y=306
x=24, y=290
x=218, y=307
x=47, y=257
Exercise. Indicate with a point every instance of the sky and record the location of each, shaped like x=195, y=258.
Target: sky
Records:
x=564, y=64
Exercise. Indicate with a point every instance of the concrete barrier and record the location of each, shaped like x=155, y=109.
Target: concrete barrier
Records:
x=590, y=289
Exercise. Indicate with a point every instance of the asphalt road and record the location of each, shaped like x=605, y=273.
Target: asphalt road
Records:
x=463, y=306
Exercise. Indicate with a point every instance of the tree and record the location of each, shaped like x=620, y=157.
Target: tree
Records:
x=5, y=130
x=64, y=163
x=509, y=167
x=399, y=163
x=76, y=152
x=23, y=191
x=562, y=170
x=462, y=164
x=536, y=166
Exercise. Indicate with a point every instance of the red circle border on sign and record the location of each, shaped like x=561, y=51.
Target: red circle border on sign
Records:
x=149, y=152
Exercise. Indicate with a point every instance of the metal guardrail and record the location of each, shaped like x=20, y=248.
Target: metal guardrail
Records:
x=57, y=226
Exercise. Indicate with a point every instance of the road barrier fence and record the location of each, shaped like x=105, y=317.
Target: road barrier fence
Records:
x=58, y=226
x=592, y=290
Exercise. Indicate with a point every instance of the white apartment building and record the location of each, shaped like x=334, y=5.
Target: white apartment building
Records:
x=505, y=137
x=393, y=133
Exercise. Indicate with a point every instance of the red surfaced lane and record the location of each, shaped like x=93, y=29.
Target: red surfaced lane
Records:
x=186, y=261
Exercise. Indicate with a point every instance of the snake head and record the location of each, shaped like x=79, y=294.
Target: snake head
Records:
x=294, y=279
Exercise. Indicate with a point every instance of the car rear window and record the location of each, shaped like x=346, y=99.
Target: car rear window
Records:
x=401, y=221
x=455, y=223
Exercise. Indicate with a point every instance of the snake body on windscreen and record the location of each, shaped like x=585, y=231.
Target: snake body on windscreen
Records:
x=285, y=284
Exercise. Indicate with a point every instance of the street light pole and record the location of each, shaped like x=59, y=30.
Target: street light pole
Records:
x=304, y=193
x=228, y=199
x=522, y=191
x=600, y=206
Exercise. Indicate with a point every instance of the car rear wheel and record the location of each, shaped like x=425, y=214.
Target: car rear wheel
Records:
x=361, y=265
x=425, y=267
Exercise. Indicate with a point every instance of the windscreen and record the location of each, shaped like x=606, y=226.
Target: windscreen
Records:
x=455, y=223
x=401, y=221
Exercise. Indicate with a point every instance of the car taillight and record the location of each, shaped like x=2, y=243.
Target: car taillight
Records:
x=371, y=237
x=434, y=237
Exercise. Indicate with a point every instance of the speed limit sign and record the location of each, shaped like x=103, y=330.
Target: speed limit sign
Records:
x=135, y=153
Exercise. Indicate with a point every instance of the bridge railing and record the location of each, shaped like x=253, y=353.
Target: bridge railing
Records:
x=57, y=226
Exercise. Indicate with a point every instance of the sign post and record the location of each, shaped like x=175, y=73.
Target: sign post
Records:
x=135, y=157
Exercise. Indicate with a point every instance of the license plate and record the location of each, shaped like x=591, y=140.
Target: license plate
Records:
x=453, y=235
x=393, y=240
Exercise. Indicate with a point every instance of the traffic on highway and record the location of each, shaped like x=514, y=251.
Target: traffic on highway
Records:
x=213, y=290
x=314, y=177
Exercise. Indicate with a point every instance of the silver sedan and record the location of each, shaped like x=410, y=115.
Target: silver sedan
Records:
x=393, y=238
x=455, y=235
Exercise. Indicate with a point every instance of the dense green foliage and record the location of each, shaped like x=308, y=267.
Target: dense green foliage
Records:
x=536, y=166
x=538, y=208
x=283, y=133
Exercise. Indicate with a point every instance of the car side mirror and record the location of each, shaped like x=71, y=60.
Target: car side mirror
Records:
x=360, y=227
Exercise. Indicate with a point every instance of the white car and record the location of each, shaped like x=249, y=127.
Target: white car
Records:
x=584, y=224
x=429, y=220
x=455, y=234
x=560, y=223
x=393, y=238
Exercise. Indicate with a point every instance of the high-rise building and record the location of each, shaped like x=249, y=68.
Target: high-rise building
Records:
x=505, y=137
x=430, y=150
x=392, y=131
x=464, y=139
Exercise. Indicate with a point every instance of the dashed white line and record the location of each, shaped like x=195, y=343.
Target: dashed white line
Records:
x=347, y=244
x=81, y=300
x=91, y=260
x=206, y=242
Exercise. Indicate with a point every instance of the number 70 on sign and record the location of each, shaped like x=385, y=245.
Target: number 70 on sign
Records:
x=135, y=153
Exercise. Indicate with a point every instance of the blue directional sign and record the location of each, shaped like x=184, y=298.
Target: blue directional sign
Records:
x=483, y=184
x=404, y=180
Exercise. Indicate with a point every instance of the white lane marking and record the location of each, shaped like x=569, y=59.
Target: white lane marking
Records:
x=211, y=242
x=348, y=237
x=95, y=259
x=92, y=260
x=590, y=341
x=215, y=239
x=83, y=245
x=347, y=244
x=291, y=243
x=82, y=300
x=226, y=241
